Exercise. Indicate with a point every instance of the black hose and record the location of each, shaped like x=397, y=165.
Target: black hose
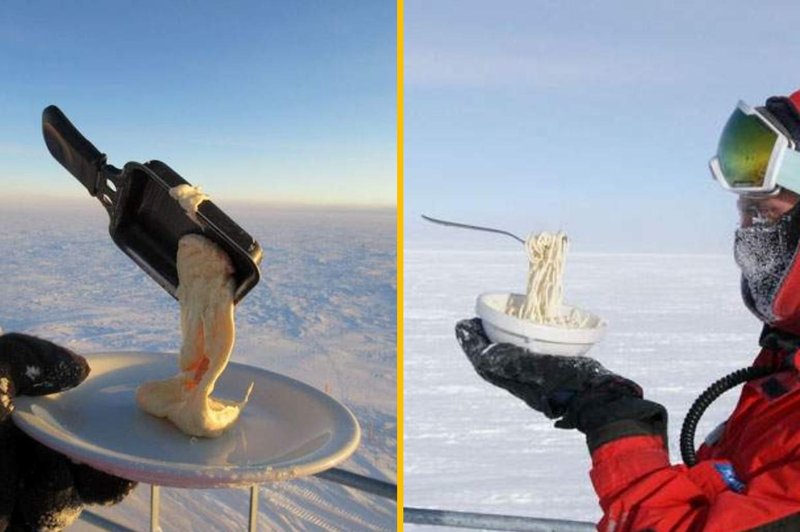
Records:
x=709, y=396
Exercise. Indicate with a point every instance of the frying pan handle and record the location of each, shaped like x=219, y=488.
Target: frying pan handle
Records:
x=71, y=149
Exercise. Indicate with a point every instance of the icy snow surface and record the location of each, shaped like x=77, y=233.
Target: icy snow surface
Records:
x=323, y=313
x=675, y=324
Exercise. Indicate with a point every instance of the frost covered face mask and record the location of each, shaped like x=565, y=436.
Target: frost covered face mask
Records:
x=766, y=255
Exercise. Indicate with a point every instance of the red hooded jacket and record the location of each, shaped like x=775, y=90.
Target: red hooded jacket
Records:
x=748, y=478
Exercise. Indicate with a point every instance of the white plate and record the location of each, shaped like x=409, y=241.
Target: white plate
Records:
x=288, y=429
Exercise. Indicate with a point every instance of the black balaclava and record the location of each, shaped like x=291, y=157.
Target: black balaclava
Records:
x=764, y=252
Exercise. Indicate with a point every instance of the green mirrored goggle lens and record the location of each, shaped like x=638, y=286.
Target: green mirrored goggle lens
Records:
x=744, y=150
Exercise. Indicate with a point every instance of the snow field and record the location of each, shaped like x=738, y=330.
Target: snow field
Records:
x=324, y=313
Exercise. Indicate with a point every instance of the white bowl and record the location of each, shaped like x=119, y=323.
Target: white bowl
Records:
x=542, y=339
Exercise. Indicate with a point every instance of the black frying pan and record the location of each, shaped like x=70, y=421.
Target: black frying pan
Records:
x=145, y=221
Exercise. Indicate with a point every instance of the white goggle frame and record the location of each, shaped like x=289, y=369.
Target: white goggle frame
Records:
x=783, y=169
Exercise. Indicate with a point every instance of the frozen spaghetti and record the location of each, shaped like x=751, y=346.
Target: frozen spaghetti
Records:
x=543, y=301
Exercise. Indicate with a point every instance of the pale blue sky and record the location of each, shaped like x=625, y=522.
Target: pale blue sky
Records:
x=260, y=100
x=596, y=117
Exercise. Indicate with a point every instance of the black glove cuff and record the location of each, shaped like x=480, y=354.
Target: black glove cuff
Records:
x=622, y=429
x=623, y=417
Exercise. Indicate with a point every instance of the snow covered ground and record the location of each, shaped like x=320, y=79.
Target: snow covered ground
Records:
x=675, y=324
x=324, y=313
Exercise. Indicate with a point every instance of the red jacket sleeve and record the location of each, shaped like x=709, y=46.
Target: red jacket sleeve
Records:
x=640, y=490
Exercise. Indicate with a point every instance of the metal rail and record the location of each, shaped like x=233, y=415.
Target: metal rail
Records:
x=380, y=488
x=422, y=516
x=339, y=476
x=103, y=523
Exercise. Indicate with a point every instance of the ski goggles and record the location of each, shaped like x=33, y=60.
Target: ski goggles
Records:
x=755, y=154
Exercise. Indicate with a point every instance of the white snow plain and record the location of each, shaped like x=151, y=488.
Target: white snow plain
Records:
x=324, y=313
x=675, y=324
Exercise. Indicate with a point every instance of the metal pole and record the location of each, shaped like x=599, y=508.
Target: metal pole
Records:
x=103, y=523
x=155, y=503
x=422, y=516
x=360, y=482
x=253, y=524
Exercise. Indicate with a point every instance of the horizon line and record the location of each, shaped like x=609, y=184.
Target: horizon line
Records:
x=32, y=199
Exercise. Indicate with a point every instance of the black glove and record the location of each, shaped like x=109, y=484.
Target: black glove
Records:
x=578, y=390
x=40, y=488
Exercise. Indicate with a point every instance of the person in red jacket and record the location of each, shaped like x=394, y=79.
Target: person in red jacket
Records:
x=747, y=473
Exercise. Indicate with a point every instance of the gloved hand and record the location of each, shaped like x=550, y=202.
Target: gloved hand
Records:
x=578, y=390
x=40, y=488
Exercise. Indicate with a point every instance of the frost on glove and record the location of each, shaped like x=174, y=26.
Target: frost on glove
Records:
x=578, y=391
x=40, y=488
